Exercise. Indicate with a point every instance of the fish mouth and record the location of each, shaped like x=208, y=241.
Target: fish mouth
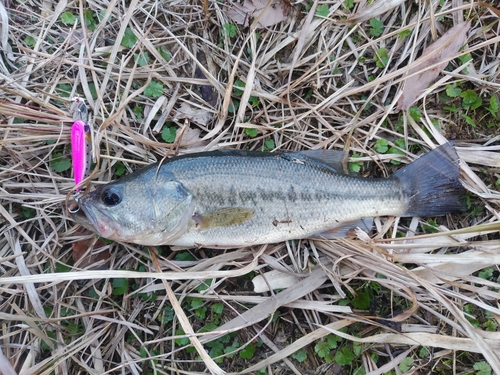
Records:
x=86, y=217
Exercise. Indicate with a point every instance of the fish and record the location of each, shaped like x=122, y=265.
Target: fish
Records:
x=234, y=198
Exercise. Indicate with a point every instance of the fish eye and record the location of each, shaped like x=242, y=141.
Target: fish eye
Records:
x=111, y=197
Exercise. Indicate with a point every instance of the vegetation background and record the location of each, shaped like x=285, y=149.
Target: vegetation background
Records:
x=416, y=296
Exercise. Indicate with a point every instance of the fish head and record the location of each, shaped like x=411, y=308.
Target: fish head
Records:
x=151, y=212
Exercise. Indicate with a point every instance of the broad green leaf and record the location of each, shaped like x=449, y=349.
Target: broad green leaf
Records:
x=201, y=313
x=468, y=119
x=233, y=107
x=494, y=103
x=344, y=356
x=217, y=308
x=322, y=10
x=247, y=352
x=120, y=286
x=216, y=349
x=168, y=314
x=64, y=90
x=238, y=88
x=361, y=301
x=493, y=107
x=28, y=212
x=204, y=285
x=142, y=58
x=129, y=38
x=138, y=112
x=349, y=4
x=51, y=335
x=377, y=27
x=453, y=91
x=60, y=164
x=470, y=99
x=330, y=357
x=89, y=20
x=431, y=227
x=196, y=303
x=400, y=143
x=93, y=90
x=404, y=34
x=254, y=101
x=100, y=15
x=423, y=352
x=181, y=341
x=230, y=29
x=300, y=355
x=68, y=18
x=268, y=145
x=332, y=340
x=30, y=41
x=415, y=113
x=168, y=134
x=119, y=169
x=251, y=132
x=322, y=348
x=355, y=166
x=486, y=274
x=382, y=145
x=465, y=58
x=405, y=364
x=209, y=327
x=184, y=256
x=60, y=267
x=393, y=150
x=490, y=325
x=358, y=348
x=228, y=349
x=154, y=90
x=381, y=58
x=165, y=53
x=482, y=368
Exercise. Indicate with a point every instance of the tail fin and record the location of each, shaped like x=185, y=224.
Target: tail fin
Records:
x=431, y=183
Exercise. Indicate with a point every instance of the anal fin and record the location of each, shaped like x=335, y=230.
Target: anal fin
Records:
x=345, y=229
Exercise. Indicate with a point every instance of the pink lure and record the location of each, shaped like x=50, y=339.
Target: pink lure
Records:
x=80, y=150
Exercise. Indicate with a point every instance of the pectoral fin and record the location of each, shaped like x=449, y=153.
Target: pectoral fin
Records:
x=225, y=217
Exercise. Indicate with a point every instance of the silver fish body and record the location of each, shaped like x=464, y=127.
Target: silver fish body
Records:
x=237, y=198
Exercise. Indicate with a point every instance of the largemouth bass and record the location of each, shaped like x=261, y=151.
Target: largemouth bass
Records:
x=237, y=198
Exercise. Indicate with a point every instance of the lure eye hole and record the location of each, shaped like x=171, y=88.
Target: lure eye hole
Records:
x=73, y=207
x=111, y=197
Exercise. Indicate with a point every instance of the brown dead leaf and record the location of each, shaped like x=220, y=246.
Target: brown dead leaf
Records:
x=191, y=138
x=197, y=115
x=373, y=10
x=443, y=49
x=87, y=253
x=267, y=16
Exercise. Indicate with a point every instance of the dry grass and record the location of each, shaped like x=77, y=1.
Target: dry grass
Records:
x=318, y=86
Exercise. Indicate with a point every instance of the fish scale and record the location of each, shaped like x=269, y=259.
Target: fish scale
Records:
x=238, y=198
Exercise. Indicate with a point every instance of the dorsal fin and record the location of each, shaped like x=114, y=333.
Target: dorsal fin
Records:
x=332, y=158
